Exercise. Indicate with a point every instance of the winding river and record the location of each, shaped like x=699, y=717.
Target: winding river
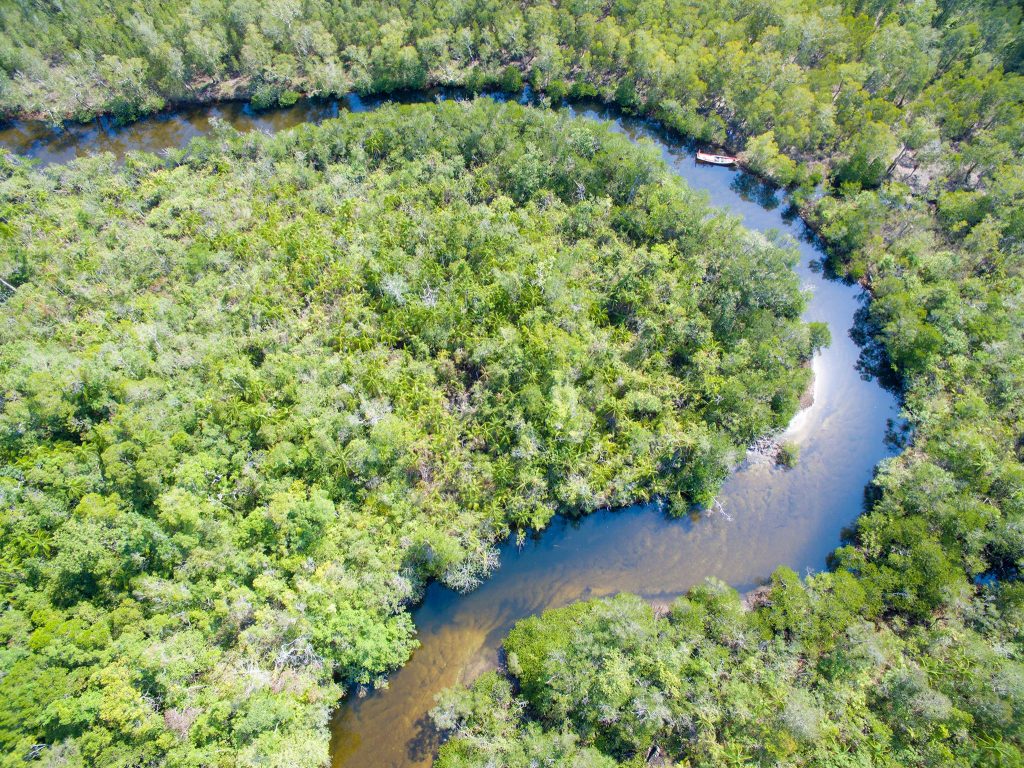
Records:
x=767, y=516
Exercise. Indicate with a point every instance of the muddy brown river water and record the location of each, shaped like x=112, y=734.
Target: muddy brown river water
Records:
x=766, y=516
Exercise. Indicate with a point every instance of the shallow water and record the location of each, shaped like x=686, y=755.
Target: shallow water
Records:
x=767, y=516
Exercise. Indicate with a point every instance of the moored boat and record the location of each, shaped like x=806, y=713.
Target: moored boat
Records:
x=708, y=157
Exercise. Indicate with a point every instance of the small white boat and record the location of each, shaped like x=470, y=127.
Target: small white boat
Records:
x=707, y=157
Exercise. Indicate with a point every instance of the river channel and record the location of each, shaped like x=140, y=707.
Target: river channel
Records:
x=766, y=516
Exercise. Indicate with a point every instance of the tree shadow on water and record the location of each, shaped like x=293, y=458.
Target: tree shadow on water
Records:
x=427, y=741
x=753, y=189
x=898, y=434
x=873, y=363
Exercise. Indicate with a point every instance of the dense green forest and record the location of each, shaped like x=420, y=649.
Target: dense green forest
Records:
x=204, y=611
x=257, y=392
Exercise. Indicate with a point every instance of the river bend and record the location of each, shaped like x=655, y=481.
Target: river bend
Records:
x=767, y=516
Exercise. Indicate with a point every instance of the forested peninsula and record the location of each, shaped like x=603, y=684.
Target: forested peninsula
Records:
x=256, y=392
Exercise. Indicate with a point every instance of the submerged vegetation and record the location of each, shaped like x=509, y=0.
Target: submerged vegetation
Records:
x=232, y=378
x=257, y=392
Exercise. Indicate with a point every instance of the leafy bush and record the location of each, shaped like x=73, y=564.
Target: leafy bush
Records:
x=789, y=454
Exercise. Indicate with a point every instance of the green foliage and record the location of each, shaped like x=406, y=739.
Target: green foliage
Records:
x=511, y=80
x=267, y=387
x=264, y=96
x=788, y=455
x=287, y=98
x=762, y=156
x=489, y=716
